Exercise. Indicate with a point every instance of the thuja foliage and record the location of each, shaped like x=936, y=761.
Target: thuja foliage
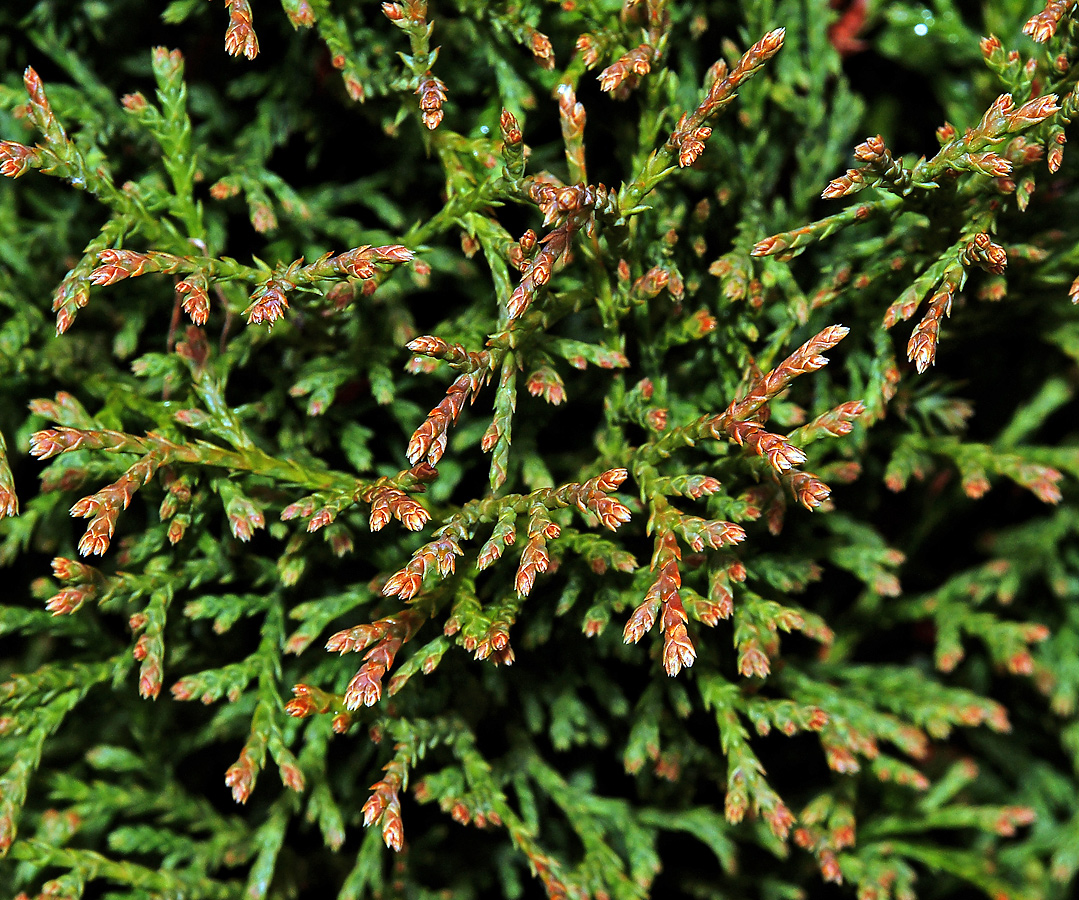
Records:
x=586, y=449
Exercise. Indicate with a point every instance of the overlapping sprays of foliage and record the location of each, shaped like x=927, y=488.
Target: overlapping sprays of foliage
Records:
x=769, y=622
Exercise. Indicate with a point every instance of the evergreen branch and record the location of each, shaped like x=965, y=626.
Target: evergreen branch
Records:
x=93, y=866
